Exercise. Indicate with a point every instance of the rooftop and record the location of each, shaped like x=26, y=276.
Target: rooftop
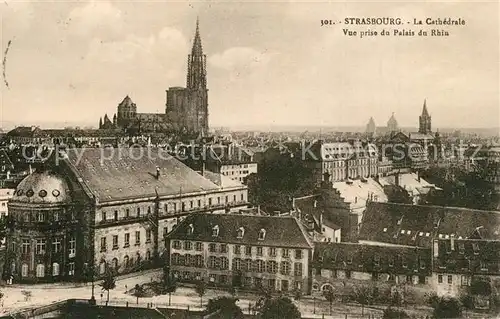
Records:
x=243, y=229
x=117, y=174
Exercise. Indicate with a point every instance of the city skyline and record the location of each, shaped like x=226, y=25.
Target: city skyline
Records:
x=90, y=55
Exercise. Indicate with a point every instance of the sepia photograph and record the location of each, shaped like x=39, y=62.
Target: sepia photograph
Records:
x=240, y=159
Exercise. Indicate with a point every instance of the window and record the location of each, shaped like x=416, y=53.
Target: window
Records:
x=212, y=248
x=215, y=231
x=115, y=242
x=475, y=247
x=199, y=202
x=237, y=249
x=450, y=279
x=190, y=229
x=212, y=262
x=236, y=264
x=199, y=246
x=40, y=247
x=240, y=232
x=55, y=269
x=223, y=248
x=41, y=216
x=465, y=280
x=285, y=268
x=127, y=213
x=71, y=269
x=298, y=254
x=116, y=216
x=176, y=244
x=272, y=252
x=103, y=244
x=103, y=216
x=127, y=240
x=148, y=236
x=224, y=263
x=440, y=279
x=40, y=270
x=188, y=245
x=26, y=246
x=248, y=250
x=285, y=253
x=56, y=245
x=297, y=269
x=72, y=247
x=138, y=212
x=24, y=270
x=259, y=251
x=260, y=265
x=483, y=265
x=461, y=248
x=272, y=267
x=262, y=234
x=137, y=238
x=56, y=215
x=376, y=261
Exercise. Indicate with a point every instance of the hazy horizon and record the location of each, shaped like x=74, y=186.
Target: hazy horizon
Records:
x=269, y=64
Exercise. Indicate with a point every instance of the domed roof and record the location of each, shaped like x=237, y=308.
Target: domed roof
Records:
x=42, y=187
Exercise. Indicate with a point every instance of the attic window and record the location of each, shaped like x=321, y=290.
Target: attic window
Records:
x=385, y=230
x=190, y=229
x=215, y=231
x=461, y=248
x=427, y=234
x=262, y=234
x=408, y=232
x=402, y=231
x=240, y=233
x=400, y=221
x=440, y=235
x=421, y=234
x=447, y=236
x=475, y=246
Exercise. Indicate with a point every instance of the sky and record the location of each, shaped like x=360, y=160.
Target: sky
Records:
x=269, y=63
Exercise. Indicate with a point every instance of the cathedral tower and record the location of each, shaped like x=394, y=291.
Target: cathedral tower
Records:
x=424, y=121
x=187, y=108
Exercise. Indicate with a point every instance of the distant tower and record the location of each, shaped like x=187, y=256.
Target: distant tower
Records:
x=197, y=64
x=392, y=124
x=370, y=127
x=100, y=122
x=424, y=121
x=127, y=111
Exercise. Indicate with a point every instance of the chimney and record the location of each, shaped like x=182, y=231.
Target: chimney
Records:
x=396, y=179
x=157, y=172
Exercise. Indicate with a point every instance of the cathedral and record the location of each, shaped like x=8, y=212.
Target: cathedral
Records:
x=186, y=109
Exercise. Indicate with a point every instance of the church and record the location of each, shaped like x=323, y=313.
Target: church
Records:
x=186, y=109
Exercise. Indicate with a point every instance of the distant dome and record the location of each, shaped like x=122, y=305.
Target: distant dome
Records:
x=42, y=187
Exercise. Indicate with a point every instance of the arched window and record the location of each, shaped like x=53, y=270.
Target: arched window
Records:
x=24, y=270
x=215, y=231
x=327, y=287
x=40, y=270
x=190, y=229
x=241, y=232
x=126, y=261
x=148, y=255
x=55, y=269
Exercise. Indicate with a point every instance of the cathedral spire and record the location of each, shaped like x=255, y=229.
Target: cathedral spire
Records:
x=197, y=75
x=424, y=110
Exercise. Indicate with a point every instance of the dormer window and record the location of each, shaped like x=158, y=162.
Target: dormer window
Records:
x=240, y=233
x=262, y=234
x=475, y=247
x=215, y=231
x=400, y=221
x=190, y=229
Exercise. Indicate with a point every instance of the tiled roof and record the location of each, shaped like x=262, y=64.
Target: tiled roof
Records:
x=371, y=258
x=416, y=225
x=42, y=187
x=279, y=231
x=357, y=193
x=115, y=174
x=467, y=256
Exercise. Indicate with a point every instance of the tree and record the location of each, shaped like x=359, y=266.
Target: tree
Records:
x=446, y=308
x=467, y=301
x=200, y=289
x=139, y=292
x=279, y=308
x=108, y=283
x=1, y=297
x=168, y=285
x=226, y=307
x=363, y=296
x=391, y=313
x=330, y=297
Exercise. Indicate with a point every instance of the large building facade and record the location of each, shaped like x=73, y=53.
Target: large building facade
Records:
x=186, y=108
x=105, y=209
